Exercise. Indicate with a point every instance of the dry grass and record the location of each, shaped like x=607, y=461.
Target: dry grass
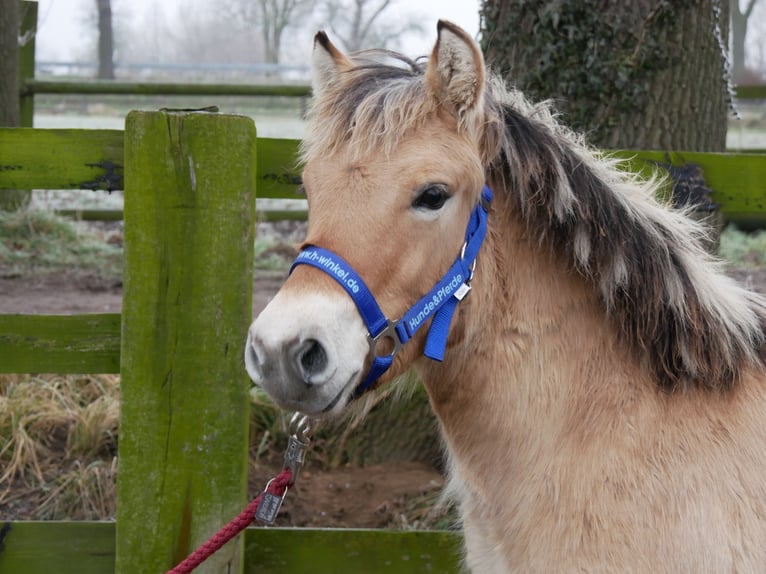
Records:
x=58, y=449
x=58, y=445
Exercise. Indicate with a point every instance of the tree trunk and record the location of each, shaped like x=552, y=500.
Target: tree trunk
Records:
x=643, y=74
x=10, y=18
x=10, y=114
x=105, y=40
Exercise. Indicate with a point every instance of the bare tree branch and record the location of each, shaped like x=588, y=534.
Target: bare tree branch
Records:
x=360, y=23
x=748, y=10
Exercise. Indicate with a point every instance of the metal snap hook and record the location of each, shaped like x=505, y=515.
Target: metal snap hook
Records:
x=301, y=430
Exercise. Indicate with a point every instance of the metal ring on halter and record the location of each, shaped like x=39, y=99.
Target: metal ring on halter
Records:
x=472, y=267
x=388, y=333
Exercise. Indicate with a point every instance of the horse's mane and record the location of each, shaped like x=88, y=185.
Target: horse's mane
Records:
x=669, y=298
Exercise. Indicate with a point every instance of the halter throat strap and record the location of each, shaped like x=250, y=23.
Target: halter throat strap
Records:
x=439, y=303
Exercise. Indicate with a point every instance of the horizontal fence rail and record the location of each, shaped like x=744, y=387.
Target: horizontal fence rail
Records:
x=60, y=343
x=93, y=159
x=34, y=158
x=750, y=92
x=103, y=87
x=89, y=548
x=737, y=180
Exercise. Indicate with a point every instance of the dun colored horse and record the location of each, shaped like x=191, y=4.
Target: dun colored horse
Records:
x=601, y=389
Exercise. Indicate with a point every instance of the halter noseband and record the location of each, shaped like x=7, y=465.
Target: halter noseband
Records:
x=440, y=302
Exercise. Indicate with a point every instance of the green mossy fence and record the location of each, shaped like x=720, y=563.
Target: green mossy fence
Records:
x=190, y=181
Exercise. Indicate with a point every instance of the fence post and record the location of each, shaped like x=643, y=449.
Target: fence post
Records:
x=187, y=297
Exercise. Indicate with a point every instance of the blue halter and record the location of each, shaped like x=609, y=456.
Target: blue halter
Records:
x=440, y=302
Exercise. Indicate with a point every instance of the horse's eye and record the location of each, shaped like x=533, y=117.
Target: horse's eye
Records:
x=431, y=197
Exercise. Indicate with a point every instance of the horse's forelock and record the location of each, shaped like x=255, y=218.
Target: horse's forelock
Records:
x=375, y=103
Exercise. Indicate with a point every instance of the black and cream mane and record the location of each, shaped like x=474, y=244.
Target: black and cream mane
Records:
x=669, y=299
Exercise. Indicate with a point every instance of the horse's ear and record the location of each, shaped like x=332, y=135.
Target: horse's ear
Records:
x=327, y=62
x=455, y=73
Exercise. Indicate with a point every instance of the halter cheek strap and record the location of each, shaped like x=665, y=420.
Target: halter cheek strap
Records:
x=440, y=302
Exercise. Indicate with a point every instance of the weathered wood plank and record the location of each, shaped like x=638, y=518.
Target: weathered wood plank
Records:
x=116, y=214
x=283, y=551
x=278, y=174
x=89, y=548
x=163, y=88
x=184, y=89
x=93, y=159
x=187, y=298
x=61, y=547
x=60, y=343
x=750, y=92
x=60, y=159
x=738, y=181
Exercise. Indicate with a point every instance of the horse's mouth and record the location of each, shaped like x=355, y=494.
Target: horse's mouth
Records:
x=334, y=407
x=333, y=403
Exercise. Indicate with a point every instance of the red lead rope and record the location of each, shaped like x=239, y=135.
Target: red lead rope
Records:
x=276, y=488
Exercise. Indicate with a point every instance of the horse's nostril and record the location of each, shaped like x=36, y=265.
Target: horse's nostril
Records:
x=252, y=362
x=312, y=359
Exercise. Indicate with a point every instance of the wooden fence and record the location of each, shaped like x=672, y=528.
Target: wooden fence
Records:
x=190, y=181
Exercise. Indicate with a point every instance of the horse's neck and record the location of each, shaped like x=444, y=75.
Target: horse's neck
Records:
x=532, y=347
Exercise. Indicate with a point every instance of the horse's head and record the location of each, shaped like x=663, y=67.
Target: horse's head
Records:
x=393, y=175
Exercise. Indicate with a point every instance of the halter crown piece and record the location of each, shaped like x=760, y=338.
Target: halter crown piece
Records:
x=440, y=302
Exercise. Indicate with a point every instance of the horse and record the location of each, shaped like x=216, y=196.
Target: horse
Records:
x=598, y=379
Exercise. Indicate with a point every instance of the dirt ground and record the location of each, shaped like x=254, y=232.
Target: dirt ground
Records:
x=78, y=291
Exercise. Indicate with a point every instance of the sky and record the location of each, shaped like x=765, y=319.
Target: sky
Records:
x=64, y=29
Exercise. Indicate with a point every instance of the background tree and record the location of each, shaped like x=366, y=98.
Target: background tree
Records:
x=10, y=22
x=272, y=18
x=10, y=113
x=641, y=74
x=105, y=40
x=358, y=24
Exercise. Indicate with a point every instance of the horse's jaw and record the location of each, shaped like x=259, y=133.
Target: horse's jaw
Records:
x=307, y=351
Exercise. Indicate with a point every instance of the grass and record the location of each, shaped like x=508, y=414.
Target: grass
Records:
x=58, y=444
x=40, y=241
x=743, y=249
x=273, y=255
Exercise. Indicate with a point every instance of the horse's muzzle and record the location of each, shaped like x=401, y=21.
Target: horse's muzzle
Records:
x=307, y=351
